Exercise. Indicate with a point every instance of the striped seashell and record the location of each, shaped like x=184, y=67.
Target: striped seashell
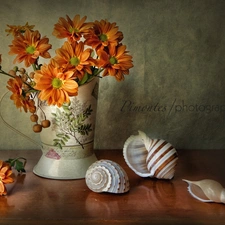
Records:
x=107, y=176
x=150, y=157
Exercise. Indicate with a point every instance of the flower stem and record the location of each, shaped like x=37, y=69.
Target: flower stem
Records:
x=3, y=72
x=24, y=159
x=34, y=67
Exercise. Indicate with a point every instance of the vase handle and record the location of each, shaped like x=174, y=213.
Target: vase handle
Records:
x=11, y=127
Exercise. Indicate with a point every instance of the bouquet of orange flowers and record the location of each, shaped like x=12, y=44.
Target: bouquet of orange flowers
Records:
x=90, y=49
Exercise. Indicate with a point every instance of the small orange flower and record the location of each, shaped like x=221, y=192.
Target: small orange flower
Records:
x=5, y=176
x=55, y=85
x=20, y=98
x=116, y=63
x=17, y=30
x=29, y=47
x=74, y=57
x=103, y=34
x=71, y=29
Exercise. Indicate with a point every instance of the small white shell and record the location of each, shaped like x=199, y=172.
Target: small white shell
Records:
x=206, y=190
x=150, y=157
x=107, y=176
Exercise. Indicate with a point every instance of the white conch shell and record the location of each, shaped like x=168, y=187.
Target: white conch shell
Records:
x=206, y=190
x=107, y=176
x=150, y=157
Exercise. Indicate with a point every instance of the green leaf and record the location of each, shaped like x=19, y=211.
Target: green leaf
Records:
x=84, y=79
x=67, y=136
x=18, y=164
x=61, y=140
x=84, y=129
x=56, y=140
x=60, y=135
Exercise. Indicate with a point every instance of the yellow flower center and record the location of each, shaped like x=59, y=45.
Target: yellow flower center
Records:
x=30, y=49
x=57, y=83
x=103, y=37
x=73, y=30
x=74, y=61
x=113, y=60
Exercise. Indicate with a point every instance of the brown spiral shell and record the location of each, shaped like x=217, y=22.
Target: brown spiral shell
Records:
x=150, y=157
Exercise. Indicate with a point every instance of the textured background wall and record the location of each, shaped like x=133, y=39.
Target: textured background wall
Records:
x=175, y=90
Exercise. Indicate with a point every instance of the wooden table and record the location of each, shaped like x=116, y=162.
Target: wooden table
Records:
x=35, y=200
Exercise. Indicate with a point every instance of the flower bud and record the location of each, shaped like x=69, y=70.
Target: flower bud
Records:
x=22, y=70
x=15, y=68
x=12, y=73
x=31, y=75
x=37, y=128
x=24, y=77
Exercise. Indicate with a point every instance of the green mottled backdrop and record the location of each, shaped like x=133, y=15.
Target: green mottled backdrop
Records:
x=175, y=90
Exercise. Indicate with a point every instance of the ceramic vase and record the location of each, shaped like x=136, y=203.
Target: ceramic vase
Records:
x=68, y=144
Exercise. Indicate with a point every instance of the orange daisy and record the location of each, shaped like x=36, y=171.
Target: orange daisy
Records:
x=17, y=30
x=115, y=63
x=71, y=29
x=55, y=86
x=29, y=47
x=103, y=34
x=5, y=176
x=74, y=57
x=20, y=98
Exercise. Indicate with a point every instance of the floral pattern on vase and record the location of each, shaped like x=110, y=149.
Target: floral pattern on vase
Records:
x=67, y=145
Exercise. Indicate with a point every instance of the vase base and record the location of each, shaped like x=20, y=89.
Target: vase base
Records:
x=63, y=169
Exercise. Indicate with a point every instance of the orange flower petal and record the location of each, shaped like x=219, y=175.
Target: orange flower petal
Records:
x=2, y=189
x=20, y=43
x=48, y=91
